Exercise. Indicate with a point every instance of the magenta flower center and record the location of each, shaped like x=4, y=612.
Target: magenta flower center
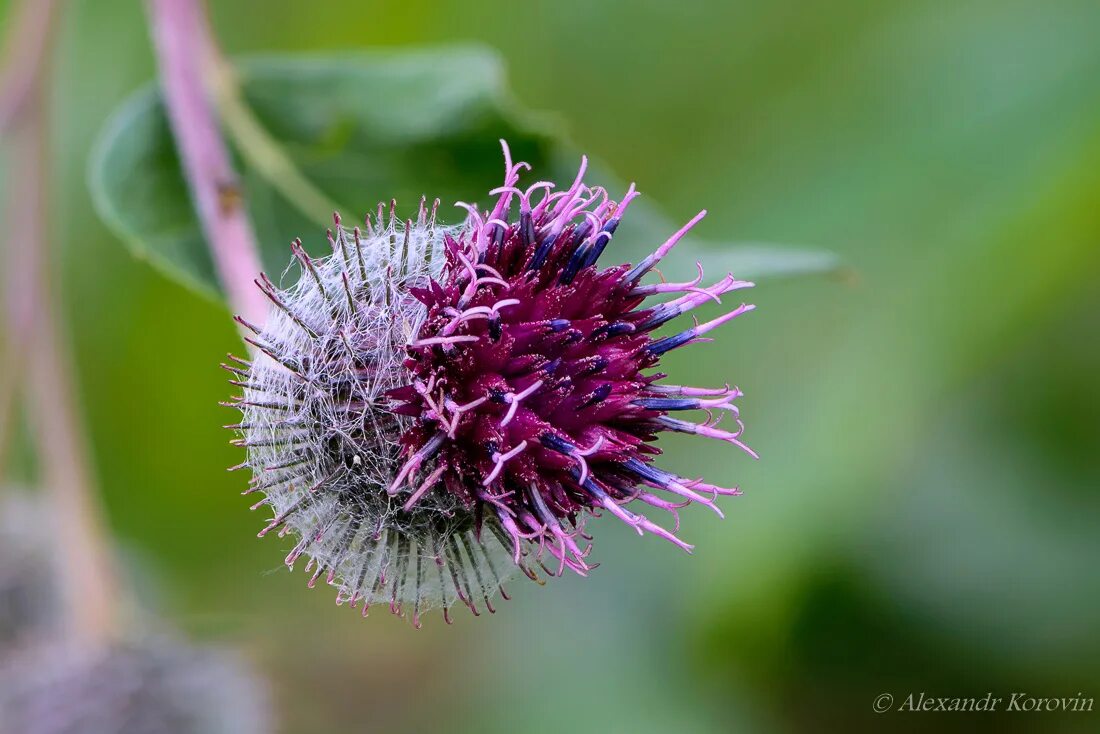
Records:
x=531, y=377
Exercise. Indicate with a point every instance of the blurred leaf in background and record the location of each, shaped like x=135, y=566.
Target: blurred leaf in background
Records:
x=358, y=128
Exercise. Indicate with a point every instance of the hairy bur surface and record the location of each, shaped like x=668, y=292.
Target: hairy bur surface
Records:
x=432, y=408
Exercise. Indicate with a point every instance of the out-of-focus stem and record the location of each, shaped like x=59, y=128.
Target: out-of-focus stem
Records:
x=18, y=260
x=86, y=569
x=18, y=302
x=25, y=49
x=28, y=37
x=259, y=148
x=84, y=565
x=181, y=41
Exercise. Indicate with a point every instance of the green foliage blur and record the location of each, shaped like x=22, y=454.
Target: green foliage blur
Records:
x=925, y=515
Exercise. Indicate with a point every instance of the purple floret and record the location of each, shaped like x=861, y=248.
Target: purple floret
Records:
x=531, y=378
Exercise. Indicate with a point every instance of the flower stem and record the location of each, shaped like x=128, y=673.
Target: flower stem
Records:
x=88, y=578
x=25, y=51
x=181, y=41
x=28, y=37
x=261, y=150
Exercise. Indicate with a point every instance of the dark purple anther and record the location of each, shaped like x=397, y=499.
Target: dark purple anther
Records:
x=667, y=403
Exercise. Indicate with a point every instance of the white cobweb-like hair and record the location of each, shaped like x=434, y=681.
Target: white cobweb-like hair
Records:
x=323, y=445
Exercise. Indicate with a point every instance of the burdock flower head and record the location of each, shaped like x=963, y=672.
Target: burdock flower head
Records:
x=434, y=407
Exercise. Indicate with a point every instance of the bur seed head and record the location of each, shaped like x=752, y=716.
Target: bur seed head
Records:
x=432, y=408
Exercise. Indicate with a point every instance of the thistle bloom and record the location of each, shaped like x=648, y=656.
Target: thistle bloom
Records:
x=435, y=407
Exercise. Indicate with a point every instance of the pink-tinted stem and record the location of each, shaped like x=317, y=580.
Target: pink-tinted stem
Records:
x=83, y=560
x=25, y=50
x=28, y=36
x=184, y=45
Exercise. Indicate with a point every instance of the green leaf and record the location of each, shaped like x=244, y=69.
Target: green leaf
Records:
x=360, y=129
x=138, y=189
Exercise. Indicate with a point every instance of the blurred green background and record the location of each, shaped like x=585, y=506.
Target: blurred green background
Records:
x=925, y=514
